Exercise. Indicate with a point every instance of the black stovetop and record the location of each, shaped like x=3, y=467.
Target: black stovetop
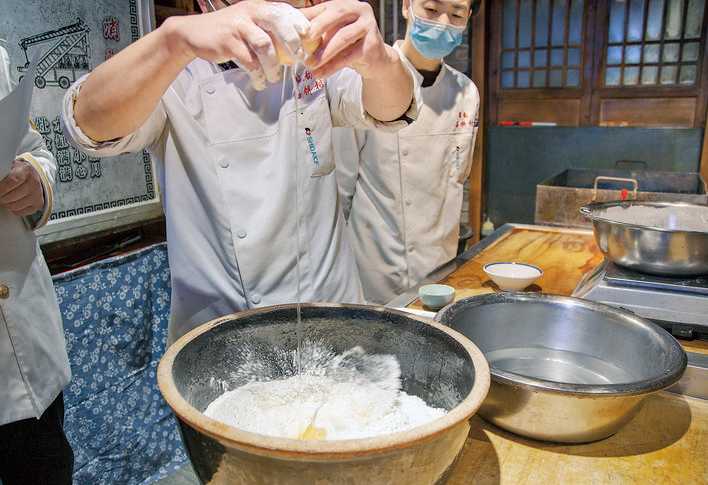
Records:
x=618, y=276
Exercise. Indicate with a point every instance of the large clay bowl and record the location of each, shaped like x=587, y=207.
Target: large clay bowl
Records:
x=437, y=364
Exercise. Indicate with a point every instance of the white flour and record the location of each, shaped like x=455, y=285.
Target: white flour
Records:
x=676, y=218
x=347, y=396
x=285, y=408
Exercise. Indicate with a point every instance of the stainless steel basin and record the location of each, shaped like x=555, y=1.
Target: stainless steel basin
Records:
x=662, y=238
x=565, y=369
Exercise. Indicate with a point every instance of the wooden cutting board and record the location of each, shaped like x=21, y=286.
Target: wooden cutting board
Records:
x=564, y=255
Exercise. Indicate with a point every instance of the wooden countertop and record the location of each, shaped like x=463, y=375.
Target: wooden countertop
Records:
x=695, y=346
x=666, y=443
x=564, y=255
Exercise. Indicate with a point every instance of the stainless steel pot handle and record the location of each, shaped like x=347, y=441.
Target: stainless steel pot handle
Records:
x=634, y=183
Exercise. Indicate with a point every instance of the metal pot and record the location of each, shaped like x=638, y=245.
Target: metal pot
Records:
x=565, y=369
x=438, y=365
x=662, y=238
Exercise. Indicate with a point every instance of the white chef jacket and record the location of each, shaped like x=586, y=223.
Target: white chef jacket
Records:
x=402, y=192
x=226, y=161
x=34, y=366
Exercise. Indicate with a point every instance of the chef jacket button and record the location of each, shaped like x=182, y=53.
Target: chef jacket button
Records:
x=4, y=292
x=408, y=202
x=256, y=299
x=410, y=248
x=405, y=152
x=224, y=164
x=242, y=234
x=210, y=90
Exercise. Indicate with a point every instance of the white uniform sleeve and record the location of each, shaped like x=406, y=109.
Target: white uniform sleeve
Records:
x=34, y=151
x=344, y=90
x=475, y=114
x=140, y=139
x=347, y=144
x=464, y=212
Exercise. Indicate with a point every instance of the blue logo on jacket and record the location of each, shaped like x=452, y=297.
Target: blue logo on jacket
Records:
x=313, y=148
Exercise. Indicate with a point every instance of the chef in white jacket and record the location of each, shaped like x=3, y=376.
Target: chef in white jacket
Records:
x=403, y=191
x=34, y=367
x=245, y=165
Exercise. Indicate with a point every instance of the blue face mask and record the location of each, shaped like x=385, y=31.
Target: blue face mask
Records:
x=434, y=40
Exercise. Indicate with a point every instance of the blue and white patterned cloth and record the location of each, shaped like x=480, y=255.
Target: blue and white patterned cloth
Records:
x=115, y=318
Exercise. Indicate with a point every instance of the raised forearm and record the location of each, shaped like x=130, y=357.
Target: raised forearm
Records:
x=120, y=94
x=388, y=91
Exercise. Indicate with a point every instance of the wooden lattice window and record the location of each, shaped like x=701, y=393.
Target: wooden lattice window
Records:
x=654, y=42
x=542, y=44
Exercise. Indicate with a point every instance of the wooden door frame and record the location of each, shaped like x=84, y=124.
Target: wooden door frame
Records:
x=478, y=72
x=704, y=156
x=702, y=105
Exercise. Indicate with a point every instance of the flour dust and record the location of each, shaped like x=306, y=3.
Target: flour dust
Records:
x=335, y=396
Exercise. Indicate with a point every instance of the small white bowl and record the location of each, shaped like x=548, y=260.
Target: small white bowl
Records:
x=436, y=296
x=513, y=276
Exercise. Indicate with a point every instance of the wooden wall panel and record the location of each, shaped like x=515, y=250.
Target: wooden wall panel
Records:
x=564, y=112
x=648, y=112
x=599, y=105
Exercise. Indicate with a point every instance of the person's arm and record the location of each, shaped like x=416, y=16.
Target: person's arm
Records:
x=473, y=94
x=347, y=144
x=352, y=39
x=28, y=190
x=388, y=91
x=120, y=95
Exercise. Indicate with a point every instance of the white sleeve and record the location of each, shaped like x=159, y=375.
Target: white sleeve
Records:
x=344, y=90
x=140, y=139
x=347, y=144
x=34, y=151
x=475, y=129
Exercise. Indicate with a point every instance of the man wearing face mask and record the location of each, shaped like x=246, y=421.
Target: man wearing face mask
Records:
x=243, y=150
x=402, y=192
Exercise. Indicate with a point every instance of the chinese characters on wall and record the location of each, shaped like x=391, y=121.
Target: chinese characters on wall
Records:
x=71, y=163
x=111, y=32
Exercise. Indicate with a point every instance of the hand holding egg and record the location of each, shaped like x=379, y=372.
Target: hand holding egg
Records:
x=259, y=36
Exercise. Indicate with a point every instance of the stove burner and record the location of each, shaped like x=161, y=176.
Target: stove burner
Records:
x=618, y=276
